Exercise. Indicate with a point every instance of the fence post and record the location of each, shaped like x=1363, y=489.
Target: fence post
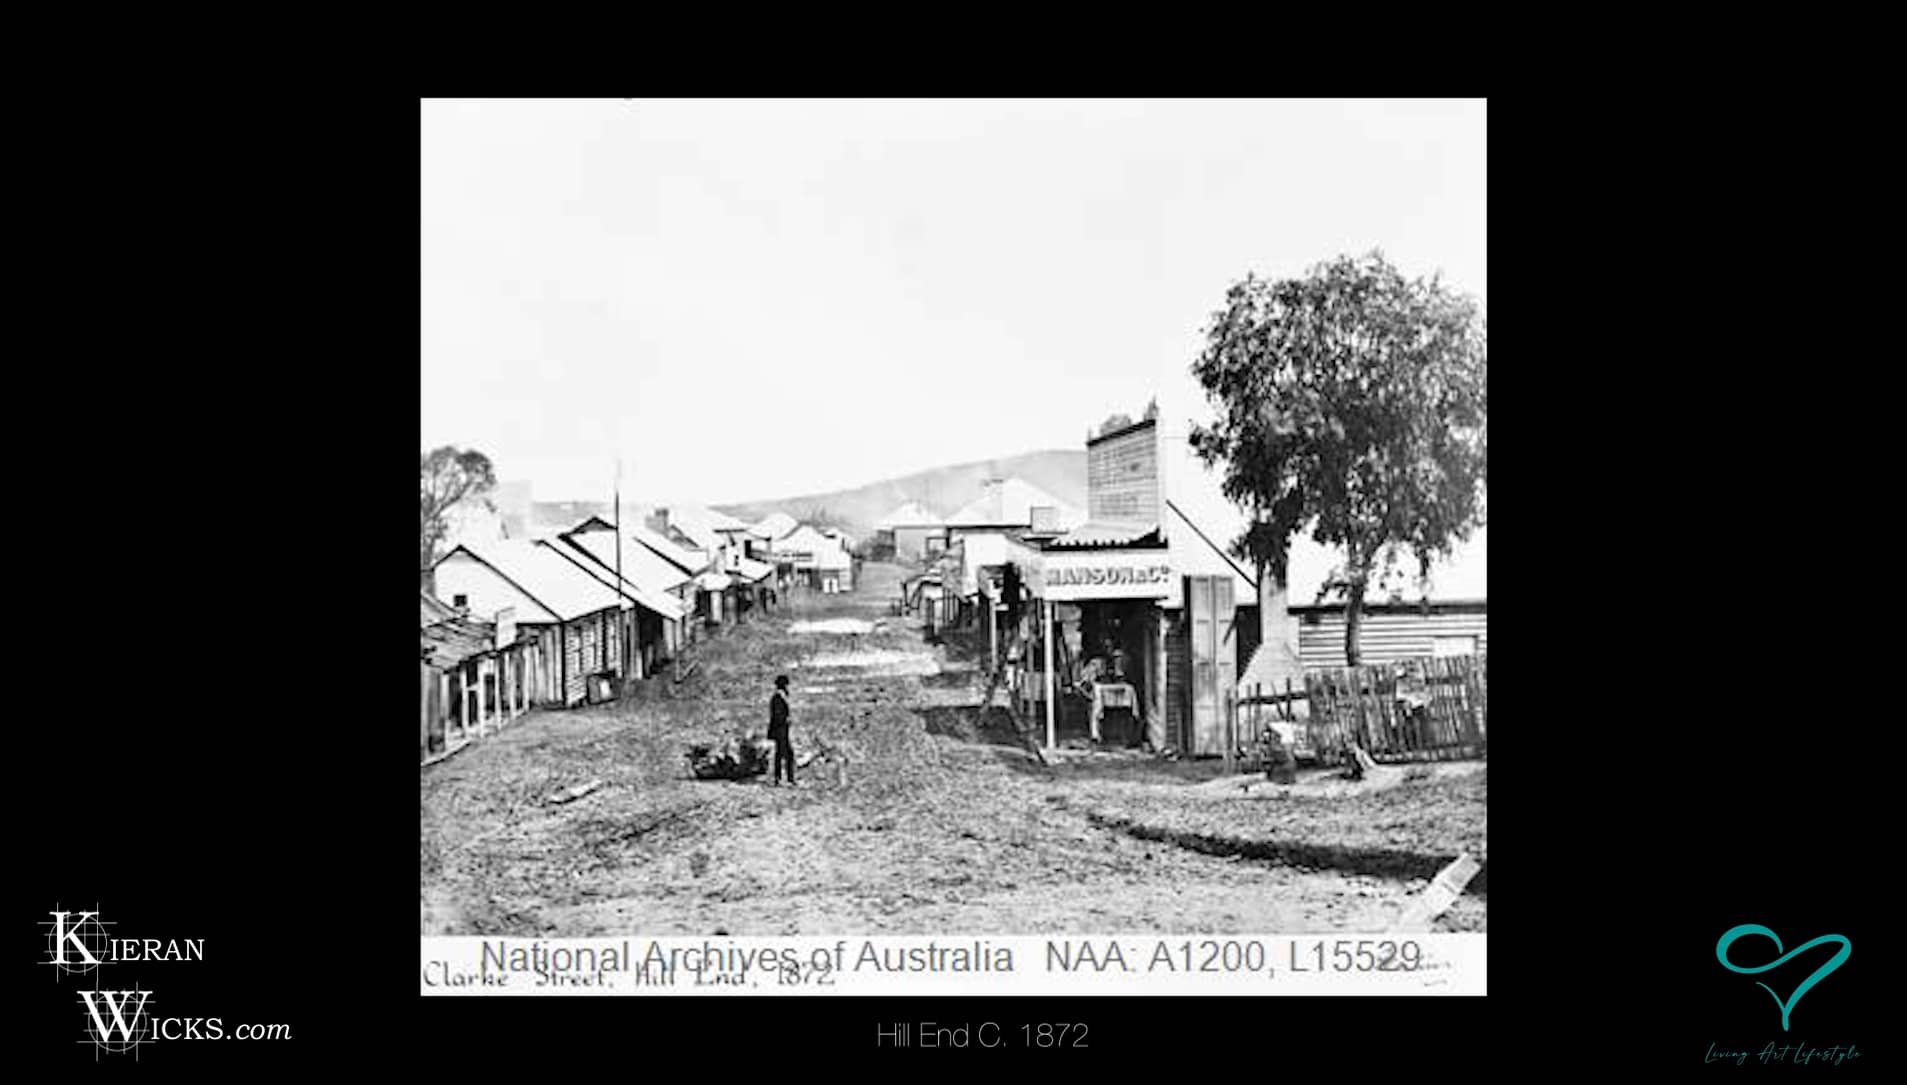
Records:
x=1230, y=727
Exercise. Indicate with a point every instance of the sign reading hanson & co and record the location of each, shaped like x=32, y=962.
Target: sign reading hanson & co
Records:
x=1126, y=574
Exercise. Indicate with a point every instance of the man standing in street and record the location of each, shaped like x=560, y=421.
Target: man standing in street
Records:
x=778, y=730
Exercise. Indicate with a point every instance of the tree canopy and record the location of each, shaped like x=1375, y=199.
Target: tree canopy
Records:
x=448, y=477
x=1351, y=402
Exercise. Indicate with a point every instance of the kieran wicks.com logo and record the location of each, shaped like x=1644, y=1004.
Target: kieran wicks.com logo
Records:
x=119, y=1019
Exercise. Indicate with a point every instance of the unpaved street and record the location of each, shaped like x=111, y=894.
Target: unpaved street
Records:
x=921, y=817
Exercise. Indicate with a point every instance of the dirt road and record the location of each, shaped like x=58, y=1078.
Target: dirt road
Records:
x=923, y=818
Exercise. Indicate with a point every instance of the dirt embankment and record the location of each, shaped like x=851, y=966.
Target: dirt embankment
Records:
x=1408, y=831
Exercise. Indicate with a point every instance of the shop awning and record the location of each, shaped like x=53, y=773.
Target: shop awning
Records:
x=1107, y=534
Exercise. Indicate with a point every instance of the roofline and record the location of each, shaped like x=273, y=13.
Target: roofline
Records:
x=586, y=552
x=1065, y=540
x=593, y=575
x=1136, y=426
x=1170, y=504
x=478, y=558
x=640, y=541
x=1475, y=606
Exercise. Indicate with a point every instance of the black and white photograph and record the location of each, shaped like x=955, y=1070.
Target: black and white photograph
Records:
x=964, y=517
x=969, y=577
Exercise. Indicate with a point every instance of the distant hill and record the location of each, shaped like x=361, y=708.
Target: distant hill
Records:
x=1061, y=473
x=552, y=516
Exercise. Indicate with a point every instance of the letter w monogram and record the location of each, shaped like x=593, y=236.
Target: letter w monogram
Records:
x=115, y=1001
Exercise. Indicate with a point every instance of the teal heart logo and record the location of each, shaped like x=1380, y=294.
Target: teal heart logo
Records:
x=1834, y=962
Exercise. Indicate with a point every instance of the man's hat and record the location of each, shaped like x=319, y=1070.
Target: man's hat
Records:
x=781, y=681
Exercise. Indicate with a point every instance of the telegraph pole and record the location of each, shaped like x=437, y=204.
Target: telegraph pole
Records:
x=1052, y=736
x=628, y=652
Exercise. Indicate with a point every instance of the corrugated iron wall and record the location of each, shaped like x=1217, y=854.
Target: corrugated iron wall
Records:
x=1385, y=638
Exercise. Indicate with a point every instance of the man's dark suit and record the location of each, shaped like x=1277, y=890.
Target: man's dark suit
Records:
x=778, y=731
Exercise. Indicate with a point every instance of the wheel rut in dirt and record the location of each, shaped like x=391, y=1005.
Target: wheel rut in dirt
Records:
x=1372, y=862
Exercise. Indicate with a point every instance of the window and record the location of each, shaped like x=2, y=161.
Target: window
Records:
x=461, y=602
x=1446, y=647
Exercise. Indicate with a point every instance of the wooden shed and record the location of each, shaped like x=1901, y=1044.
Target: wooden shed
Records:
x=473, y=676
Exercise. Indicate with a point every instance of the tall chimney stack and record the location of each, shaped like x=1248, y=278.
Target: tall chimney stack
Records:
x=1278, y=632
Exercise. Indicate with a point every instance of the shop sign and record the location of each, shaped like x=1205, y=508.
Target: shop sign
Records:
x=1124, y=575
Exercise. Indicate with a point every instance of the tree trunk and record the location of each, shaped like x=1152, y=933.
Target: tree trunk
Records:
x=1353, y=623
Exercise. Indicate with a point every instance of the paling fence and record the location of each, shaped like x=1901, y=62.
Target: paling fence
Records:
x=1416, y=709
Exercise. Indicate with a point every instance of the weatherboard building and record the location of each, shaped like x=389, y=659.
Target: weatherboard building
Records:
x=1136, y=622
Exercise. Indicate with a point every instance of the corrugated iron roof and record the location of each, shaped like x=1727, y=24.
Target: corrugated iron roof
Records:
x=550, y=579
x=596, y=551
x=700, y=523
x=1106, y=533
x=689, y=561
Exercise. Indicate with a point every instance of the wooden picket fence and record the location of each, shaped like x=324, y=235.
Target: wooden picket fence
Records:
x=1417, y=709
x=1414, y=710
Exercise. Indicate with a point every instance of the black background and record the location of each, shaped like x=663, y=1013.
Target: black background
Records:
x=211, y=427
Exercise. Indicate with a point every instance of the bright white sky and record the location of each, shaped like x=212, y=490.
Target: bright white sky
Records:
x=756, y=299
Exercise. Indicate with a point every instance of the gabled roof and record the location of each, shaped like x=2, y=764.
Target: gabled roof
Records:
x=773, y=526
x=823, y=551
x=595, y=553
x=1011, y=503
x=1195, y=551
x=911, y=514
x=805, y=539
x=688, y=561
x=640, y=565
x=685, y=534
x=703, y=525
x=549, y=579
